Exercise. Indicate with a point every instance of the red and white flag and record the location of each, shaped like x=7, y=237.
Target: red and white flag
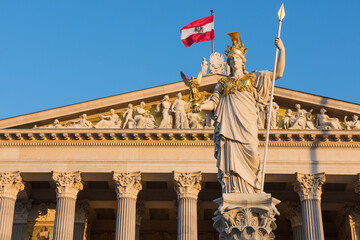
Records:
x=198, y=31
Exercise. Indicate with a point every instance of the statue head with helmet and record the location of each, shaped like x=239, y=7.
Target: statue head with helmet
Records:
x=236, y=54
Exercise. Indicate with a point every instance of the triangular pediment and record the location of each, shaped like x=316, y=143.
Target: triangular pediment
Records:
x=285, y=98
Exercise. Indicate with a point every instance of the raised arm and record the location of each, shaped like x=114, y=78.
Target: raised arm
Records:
x=281, y=61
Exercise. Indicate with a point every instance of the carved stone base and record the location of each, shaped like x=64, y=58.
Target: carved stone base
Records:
x=245, y=216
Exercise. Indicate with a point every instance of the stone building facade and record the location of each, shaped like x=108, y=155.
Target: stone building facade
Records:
x=86, y=172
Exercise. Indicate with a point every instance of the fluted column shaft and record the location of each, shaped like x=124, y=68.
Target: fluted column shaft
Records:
x=18, y=231
x=127, y=188
x=308, y=187
x=294, y=215
x=187, y=186
x=81, y=220
x=22, y=209
x=79, y=231
x=10, y=185
x=64, y=218
x=67, y=187
x=139, y=213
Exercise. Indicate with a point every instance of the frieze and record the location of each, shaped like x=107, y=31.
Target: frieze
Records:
x=170, y=137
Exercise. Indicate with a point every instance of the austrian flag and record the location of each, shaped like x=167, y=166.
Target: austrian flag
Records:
x=198, y=31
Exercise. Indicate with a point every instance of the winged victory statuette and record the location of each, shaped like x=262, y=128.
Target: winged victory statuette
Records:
x=193, y=84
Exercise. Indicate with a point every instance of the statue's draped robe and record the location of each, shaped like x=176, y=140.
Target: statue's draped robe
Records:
x=236, y=135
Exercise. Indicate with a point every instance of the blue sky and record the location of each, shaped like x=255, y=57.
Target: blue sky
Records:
x=56, y=53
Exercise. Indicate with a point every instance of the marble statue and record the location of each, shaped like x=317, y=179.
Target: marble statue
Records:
x=164, y=108
x=261, y=113
x=234, y=105
x=204, y=67
x=194, y=120
x=81, y=123
x=324, y=122
x=143, y=118
x=111, y=121
x=274, y=118
x=128, y=115
x=288, y=119
x=178, y=107
x=217, y=64
x=354, y=124
x=301, y=119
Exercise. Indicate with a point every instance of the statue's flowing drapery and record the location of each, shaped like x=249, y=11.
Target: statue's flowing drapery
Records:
x=235, y=135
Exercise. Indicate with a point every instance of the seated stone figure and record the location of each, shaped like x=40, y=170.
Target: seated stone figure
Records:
x=354, y=124
x=143, y=118
x=301, y=119
x=111, y=121
x=324, y=122
x=194, y=120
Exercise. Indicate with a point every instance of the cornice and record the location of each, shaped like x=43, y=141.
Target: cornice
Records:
x=169, y=137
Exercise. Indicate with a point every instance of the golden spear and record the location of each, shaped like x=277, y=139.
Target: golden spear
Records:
x=281, y=14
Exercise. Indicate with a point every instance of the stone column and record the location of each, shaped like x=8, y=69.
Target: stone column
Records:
x=139, y=213
x=187, y=186
x=350, y=227
x=294, y=215
x=10, y=185
x=127, y=188
x=81, y=220
x=67, y=187
x=22, y=210
x=308, y=186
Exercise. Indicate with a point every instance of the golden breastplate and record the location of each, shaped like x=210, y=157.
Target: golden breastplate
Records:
x=231, y=85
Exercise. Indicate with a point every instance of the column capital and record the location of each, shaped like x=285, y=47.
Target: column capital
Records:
x=352, y=213
x=294, y=214
x=22, y=210
x=308, y=186
x=187, y=184
x=10, y=184
x=140, y=210
x=68, y=184
x=81, y=211
x=127, y=184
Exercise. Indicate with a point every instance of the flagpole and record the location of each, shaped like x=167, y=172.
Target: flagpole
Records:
x=212, y=41
x=281, y=14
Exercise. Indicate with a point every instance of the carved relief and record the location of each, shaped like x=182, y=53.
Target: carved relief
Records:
x=300, y=120
x=187, y=184
x=178, y=107
x=127, y=184
x=111, y=121
x=217, y=64
x=309, y=186
x=128, y=115
x=10, y=184
x=67, y=184
x=164, y=107
x=194, y=120
x=324, y=122
x=81, y=123
x=143, y=118
x=354, y=124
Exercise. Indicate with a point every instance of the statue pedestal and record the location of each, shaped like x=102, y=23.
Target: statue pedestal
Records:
x=245, y=216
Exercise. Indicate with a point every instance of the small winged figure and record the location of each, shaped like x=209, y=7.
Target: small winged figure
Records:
x=193, y=84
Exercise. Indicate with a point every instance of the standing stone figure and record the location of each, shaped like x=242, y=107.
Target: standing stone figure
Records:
x=236, y=133
x=261, y=116
x=128, y=115
x=324, y=122
x=354, y=124
x=288, y=119
x=164, y=108
x=178, y=107
x=204, y=67
x=274, y=115
x=217, y=63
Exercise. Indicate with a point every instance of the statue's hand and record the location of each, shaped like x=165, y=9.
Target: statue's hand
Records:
x=279, y=44
x=195, y=107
